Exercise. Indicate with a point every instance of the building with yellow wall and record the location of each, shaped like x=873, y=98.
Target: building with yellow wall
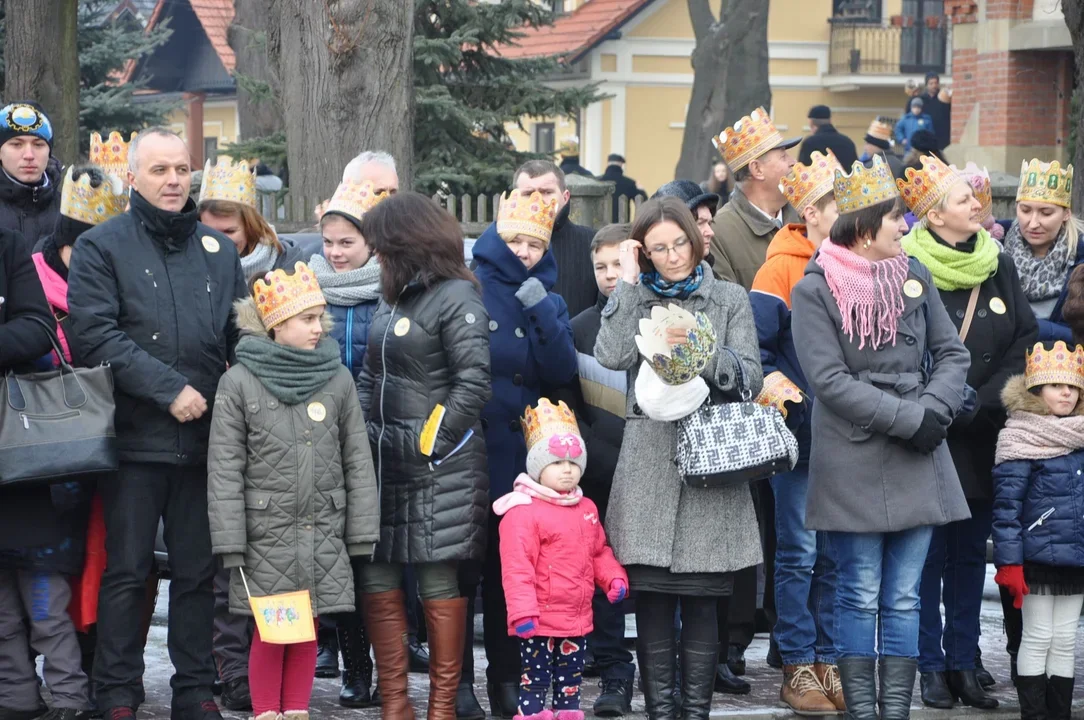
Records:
x=853, y=55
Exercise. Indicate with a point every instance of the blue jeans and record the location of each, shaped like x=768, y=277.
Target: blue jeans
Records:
x=805, y=578
x=607, y=640
x=879, y=574
x=955, y=571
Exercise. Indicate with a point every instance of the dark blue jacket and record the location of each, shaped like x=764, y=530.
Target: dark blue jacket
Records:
x=1054, y=327
x=351, y=331
x=530, y=350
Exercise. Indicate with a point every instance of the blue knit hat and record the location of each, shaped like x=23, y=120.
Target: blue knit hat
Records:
x=25, y=118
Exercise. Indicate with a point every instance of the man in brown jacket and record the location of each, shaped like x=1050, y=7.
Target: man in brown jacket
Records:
x=758, y=156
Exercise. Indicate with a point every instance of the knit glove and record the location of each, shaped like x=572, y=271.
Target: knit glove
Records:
x=618, y=591
x=531, y=292
x=930, y=434
x=527, y=628
x=1012, y=578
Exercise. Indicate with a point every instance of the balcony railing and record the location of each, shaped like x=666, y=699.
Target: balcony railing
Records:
x=906, y=46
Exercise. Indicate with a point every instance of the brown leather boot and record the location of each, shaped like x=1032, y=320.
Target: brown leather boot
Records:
x=385, y=619
x=828, y=675
x=802, y=692
x=447, y=630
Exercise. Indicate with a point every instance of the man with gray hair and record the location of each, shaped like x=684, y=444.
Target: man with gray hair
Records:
x=375, y=167
x=151, y=294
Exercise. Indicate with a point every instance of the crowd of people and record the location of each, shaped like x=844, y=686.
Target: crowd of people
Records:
x=347, y=443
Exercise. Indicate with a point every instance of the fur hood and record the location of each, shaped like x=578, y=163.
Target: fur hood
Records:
x=249, y=322
x=1018, y=399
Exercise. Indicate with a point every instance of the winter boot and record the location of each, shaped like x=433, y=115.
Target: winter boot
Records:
x=858, y=676
x=657, y=661
x=1032, y=690
x=897, y=687
x=385, y=619
x=965, y=687
x=327, y=652
x=698, y=661
x=803, y=693
x=828, y=675
x=447, y=632
x=356, y=691
x=1059, y=698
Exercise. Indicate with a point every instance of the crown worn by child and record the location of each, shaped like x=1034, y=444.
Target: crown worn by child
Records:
x=548, y=524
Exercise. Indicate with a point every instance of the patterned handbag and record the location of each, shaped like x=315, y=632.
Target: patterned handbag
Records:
x=731, y=443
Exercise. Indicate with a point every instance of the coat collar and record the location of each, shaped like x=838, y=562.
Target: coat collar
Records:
x=496, y=260
x=172, y=229
x=752, y=216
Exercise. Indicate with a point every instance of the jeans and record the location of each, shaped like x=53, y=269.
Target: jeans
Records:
x=878, y=578
x=134, y=500
x=955, y=570
x=607, y=640
x=805, y=578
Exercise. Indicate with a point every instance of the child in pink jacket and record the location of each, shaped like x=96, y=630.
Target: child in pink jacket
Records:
x=553, y=552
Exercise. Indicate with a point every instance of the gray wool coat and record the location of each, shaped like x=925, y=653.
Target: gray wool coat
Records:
x=290, y=498
x=863, y=477
x=653, y=518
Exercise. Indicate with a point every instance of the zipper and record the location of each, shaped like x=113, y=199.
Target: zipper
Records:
x=211, y=305
x=27, y=417
x=157, y=319
x=1042, y=517
x=349, y=339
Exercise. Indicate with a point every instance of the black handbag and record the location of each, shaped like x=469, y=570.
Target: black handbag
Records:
x=56, y=425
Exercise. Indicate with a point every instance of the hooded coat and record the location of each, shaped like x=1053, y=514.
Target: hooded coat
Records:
x=531, y=349
x=863, y=477
x=290, y=498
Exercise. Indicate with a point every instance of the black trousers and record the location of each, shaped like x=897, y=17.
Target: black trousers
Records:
x=739, y=625
x=134, y=500
x=502, y=650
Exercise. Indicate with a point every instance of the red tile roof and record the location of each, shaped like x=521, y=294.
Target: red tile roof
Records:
x=215, y=16
x=574, y=34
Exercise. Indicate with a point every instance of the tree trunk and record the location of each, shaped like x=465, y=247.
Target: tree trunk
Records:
x=347, y=86
x=42, y=64
x=1074, y=19
x=260, y=115
x=730, y=77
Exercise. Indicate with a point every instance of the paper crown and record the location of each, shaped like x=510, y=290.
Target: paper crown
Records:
x=228, y=181
x=751, y=137
x=1045, y=183
x=922, y=188
x=111, y=155
x=354, y=200
x=778, y=391
x=1059, y=365
x=92, y=205
x=881, y=129
x=280, y=295
x=676, y=364
x=979, y=178
x=806, y=184
x=864, y=186
x=552, y=435
x=531, y=216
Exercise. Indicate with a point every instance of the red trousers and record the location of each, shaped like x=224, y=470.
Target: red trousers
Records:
x=280, y=676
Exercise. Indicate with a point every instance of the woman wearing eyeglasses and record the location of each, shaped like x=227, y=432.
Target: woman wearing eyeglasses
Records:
x=678, y=543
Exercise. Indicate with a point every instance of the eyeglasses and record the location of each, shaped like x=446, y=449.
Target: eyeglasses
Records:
x=662, y=251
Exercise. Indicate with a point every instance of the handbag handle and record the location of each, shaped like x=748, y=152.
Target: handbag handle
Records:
x=74, y=394
x=742, y=385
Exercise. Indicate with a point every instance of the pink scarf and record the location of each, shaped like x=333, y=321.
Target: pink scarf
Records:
x=56, y=293
x=869, y=294
x=1027, y=436
x=524, y=488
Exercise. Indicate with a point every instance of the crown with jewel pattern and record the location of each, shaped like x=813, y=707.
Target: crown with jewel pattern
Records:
x=751, y=137
x=806, y=184
x=1059, y=365
x=676, y=364
x=228, y=181
x=281, y=295
x=1045, y=183
x=353, y=200
x=531, y=216
x=111, y=155
x=979, y=178
x=923, y=187
x=552, y=435
x=882, y=128
x=79, y=200
x=864, y=187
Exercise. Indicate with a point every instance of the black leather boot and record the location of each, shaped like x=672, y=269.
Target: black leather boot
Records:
x=356, y=691
x=935, y=691
x=1059, y=698
x=467, y=706
x=657, y=663
x=859, y=678
x=698, y=663
x=327, y=652
x=984, y=676
x=1032, y=690
x=964, y=685
x=897, y=687
x=503, y=699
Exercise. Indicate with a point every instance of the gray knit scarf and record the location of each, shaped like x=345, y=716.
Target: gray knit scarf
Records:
x=291, y=374
x=1041, y=277
x=259, y=262
x=347, y=288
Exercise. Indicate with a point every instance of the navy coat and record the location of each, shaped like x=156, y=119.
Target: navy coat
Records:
x=1055, y=327
x=530, y=349
x=351, y=331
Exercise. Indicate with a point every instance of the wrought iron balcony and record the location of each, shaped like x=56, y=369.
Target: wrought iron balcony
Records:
x=903, y=46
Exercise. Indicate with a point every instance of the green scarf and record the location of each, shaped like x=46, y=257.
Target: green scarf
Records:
x=953, y=269
x=291, y=374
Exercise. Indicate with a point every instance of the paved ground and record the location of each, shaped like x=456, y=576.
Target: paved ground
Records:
x=762, y=703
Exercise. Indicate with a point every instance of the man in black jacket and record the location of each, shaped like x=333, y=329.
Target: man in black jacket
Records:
x=151, y=293
x=624, y=186
x=825, y=137
x=939, y=110
x=30, y=181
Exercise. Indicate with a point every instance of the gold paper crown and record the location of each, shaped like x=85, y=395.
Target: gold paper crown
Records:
x=280, y=295
x=228, y=181
x=92, y=205
x=806, y=184
x=1045, y=183
x=531, y=216
x=546, y=420
x=110, y=155
x=354, y=199
x=922, y=188
x=882, y=128
x=751, y=137
x=778, y=390
x=980, y=183
x=864, y=187
x=1059, y=365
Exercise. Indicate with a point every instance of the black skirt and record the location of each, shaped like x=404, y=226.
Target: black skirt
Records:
x=1054, y=580
x=647, y=578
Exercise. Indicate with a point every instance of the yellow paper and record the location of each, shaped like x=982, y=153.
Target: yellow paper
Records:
x=284, y=619
x=428, y=437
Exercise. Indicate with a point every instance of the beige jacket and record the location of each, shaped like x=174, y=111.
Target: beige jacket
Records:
x=742, y=234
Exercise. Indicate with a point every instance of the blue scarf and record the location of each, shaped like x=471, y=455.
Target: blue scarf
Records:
x=680, y=289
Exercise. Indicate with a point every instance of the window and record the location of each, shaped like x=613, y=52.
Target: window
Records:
x=869, y=10
x=543, y=138
x=557, y=6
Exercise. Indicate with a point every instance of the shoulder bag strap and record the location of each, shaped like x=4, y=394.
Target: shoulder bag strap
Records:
x=972, y=303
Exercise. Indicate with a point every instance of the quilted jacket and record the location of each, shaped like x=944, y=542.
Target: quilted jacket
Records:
x=290, y=498
x=431, y=347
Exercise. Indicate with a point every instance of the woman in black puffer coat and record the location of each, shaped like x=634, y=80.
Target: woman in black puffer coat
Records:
x=428, y=347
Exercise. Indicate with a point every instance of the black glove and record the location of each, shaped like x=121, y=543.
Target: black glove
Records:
x=930, y=434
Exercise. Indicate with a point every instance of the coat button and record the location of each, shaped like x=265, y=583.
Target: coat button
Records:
x=981, y=313
x=513, y=425
x=960, y=314
x=517, y=379
x=724, y=378
x=154, y=337
x=987, y=357
x=308, y=442
x=520, y=333
x=636, y=409
x=910, y=340
x=493, y=326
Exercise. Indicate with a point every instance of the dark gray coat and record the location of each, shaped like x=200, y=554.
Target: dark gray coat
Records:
x=863, y=477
